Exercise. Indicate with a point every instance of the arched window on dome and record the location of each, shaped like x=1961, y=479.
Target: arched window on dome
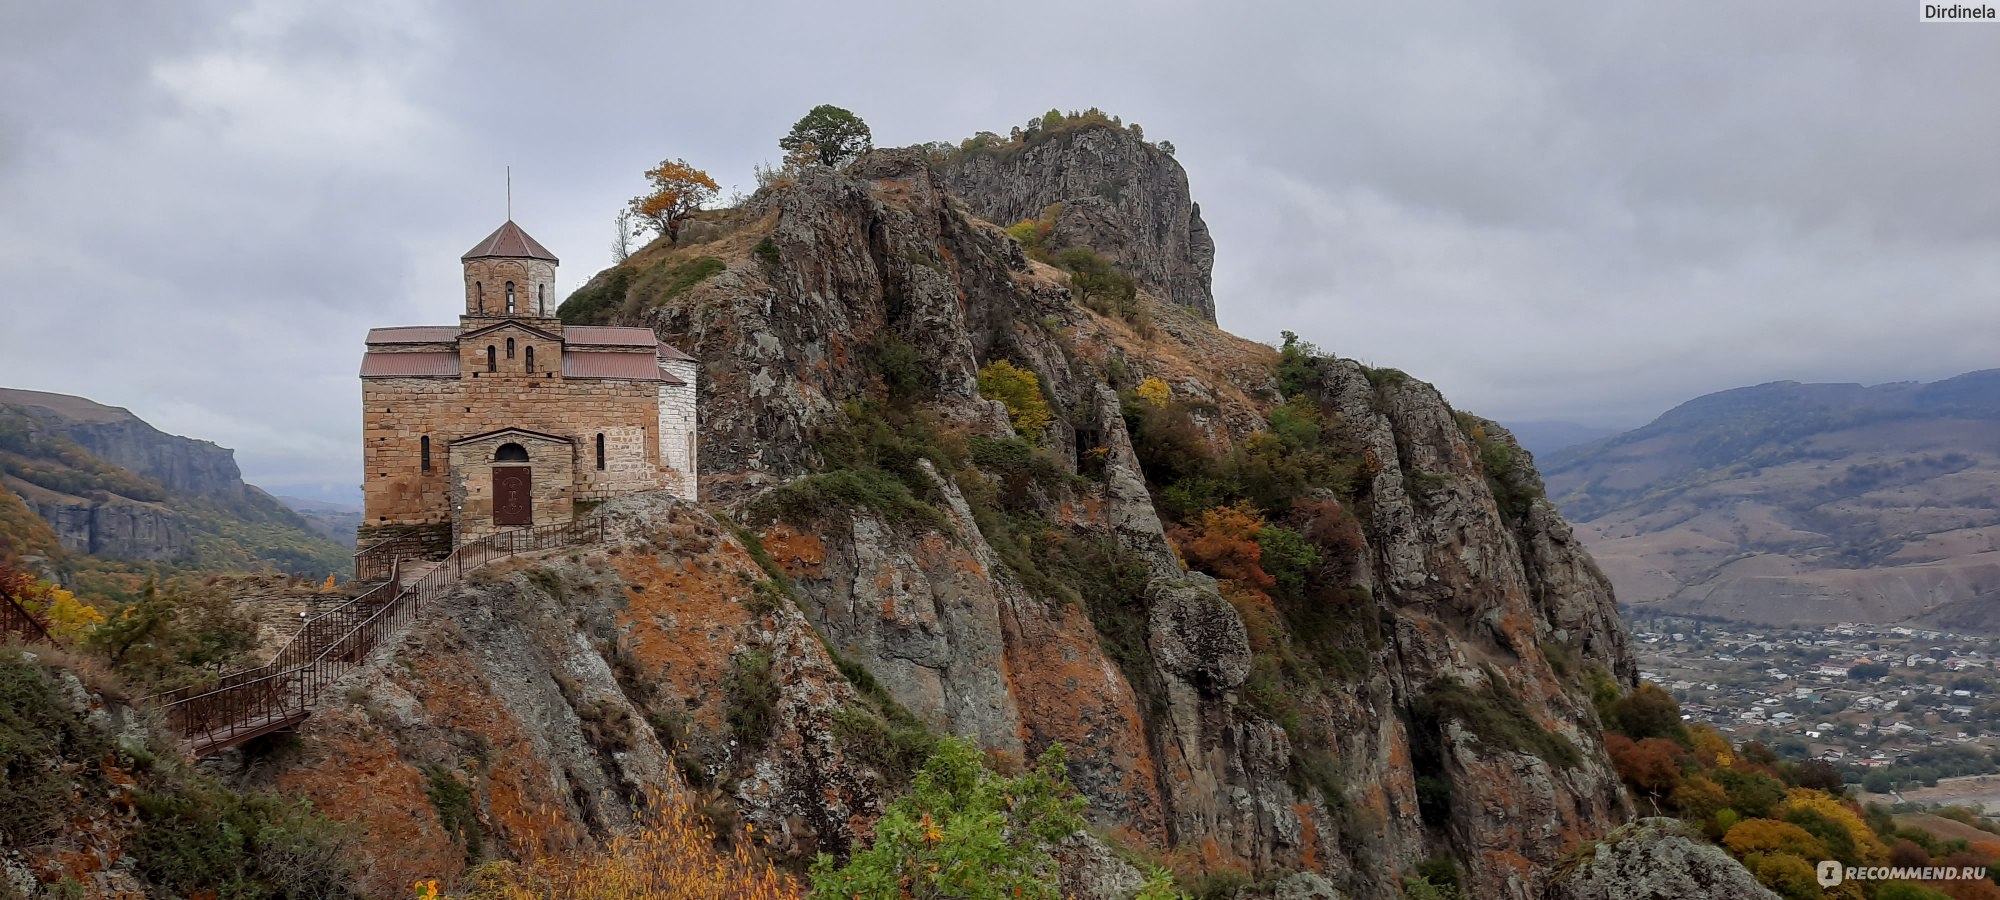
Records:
x=479, y=297
x=531, y=358
x=492, y=359
x=510, y=298
x=510, y=348
x=542, y=299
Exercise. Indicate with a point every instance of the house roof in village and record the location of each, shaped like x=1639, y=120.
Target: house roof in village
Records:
x=409, y=364
x=509, y=242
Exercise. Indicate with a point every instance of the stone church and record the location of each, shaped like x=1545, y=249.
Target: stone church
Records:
x=511, y=419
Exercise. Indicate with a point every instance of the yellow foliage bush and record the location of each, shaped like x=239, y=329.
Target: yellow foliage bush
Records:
x=1772, y=836
x=1869, y=847
x=671, y=857
x=1021, y=392
x=1154, y=391
x=1711, y=748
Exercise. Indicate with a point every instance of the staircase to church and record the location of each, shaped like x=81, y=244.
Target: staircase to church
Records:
x=278, y=695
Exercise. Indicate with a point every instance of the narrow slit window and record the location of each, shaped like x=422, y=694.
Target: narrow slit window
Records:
x=542, y=299
x=424, y=451
x=510, y=348
x=479, y=296
x=492, y=359
x=530, y=353
x=510, y=298
x=600, y=450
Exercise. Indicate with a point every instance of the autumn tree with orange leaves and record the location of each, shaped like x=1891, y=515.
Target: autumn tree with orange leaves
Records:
x=678, y=190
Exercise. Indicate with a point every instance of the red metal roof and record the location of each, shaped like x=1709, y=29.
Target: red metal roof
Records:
x=414, y=334
x=609, y=336
x=614, y=364
x=509, y=242
x=414, y=364
x=669, y=351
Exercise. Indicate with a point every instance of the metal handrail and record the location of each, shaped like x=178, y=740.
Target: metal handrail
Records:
x=375, y=559
x=249, y=701
x=16, y=619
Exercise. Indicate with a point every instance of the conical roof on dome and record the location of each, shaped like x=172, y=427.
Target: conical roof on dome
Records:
x=509, y=242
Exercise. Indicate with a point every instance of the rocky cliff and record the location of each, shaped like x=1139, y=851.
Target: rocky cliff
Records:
x=894, y=555
x=1108, y=189
x=112, y=487
x=116, y=436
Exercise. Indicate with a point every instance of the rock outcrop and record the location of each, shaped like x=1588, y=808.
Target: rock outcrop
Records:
x=1188, y=724
x=886, y=558
x=109, y=526
x=115, y=435
x=1118, y=195
x=111, y=486
x=1655, y=859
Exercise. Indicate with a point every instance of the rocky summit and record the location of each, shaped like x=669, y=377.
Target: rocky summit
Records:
x=1299, y=627
x=898, y=547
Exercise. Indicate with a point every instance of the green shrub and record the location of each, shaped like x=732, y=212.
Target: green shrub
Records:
x=38, y=727
x=812, y=496
x=1495, y=715
x=766, y=597
x=1099, y=284
x=963, y=831
x=902, y=368
x=594, y=303
x=1287, y=557
x=896, y=748
x=752, y=695
x=1298, y=366
x=681, y=278
x=767, y=251
x=1020, y=391
x=456, y=810
x=200, y=839
x=1434, y=800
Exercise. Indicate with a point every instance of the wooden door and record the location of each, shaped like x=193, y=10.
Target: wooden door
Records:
x=513, y=496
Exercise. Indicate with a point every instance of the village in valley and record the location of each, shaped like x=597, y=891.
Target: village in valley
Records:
x=1898, y=710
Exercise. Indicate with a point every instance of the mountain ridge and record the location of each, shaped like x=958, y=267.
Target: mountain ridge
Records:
x=1800, y=502
x=113, y=491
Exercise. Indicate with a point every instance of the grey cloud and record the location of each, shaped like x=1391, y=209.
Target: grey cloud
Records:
x=1551, y=211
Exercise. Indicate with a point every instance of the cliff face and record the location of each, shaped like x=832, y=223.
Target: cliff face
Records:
x=116, y=436
x=1119, y=195
x=111, y=527
x=111, y=486
x=1348, y=740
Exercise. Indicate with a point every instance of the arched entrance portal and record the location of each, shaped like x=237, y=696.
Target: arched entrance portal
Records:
x=513, y=487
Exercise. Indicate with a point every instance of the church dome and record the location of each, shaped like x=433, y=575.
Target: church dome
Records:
x=508, y=242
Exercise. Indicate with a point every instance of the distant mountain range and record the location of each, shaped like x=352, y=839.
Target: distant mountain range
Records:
x=337, y=521
x=1801, y=503
x=1544, y=438
x=92, y=488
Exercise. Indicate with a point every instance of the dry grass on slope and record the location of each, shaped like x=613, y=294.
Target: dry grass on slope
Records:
x=671, y=857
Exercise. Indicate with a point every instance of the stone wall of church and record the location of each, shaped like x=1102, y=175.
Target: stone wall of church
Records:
x=678, y=421
x=546, y=353
x=552, y=466
x=397, y=413
x=486, y=287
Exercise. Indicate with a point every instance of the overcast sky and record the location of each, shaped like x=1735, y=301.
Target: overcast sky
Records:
x=1552, y=211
